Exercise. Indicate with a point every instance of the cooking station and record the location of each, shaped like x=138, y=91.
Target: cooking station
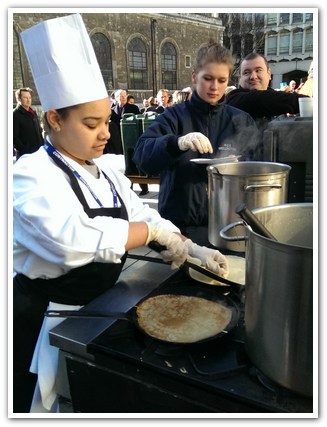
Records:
x=110, y=366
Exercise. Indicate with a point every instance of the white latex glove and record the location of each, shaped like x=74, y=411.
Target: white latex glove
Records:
x=195, y=141
x=214, y=260
x=176, y=252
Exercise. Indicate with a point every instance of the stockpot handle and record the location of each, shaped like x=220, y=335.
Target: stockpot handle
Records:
x=224, y=230
x=254, y=187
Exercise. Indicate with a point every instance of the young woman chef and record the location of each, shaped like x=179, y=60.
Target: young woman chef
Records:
x=75, y=218
x=202, y=127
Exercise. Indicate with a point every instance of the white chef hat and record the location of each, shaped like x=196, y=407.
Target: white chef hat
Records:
x=63, y=63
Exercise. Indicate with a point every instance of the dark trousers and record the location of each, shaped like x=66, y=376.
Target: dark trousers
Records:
x=28, y=314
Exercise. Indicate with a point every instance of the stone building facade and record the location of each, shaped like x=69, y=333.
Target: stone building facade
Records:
x=289, y=45
x=143, y=52
x=139, y=52
x=285, y=39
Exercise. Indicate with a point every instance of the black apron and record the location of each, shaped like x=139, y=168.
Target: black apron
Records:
x=31, y=297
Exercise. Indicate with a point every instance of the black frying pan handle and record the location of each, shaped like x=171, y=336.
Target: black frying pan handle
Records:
x=86, y=314
x=155, y=246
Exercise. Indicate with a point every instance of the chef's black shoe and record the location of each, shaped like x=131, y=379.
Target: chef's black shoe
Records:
x=143, y=192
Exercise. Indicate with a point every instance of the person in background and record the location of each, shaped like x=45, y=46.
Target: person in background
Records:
x=112, y=98
x=145, y=104
x=170, y=102
x=202, y=127
x=118, y=109
x=74, y=224
x=306, y=88
x=27, y=132
x=162, y=98
x=152, y=104
x=179, y=96
x=176, y=96
x=256, y=97
x=130, y=99
x=114, y=144
x=292, y=85
x=187, y=90
x=122, y=106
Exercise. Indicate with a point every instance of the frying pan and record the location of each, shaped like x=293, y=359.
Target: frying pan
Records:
x=131, y=316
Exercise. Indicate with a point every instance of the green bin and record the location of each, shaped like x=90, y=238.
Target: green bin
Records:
x=129, y=129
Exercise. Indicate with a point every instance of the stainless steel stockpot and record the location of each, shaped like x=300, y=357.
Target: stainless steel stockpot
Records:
x=256, y=184
x=279, y=295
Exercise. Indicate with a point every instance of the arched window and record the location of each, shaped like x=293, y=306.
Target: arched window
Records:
x=168, y=66
x=102, y=50
x=137, y=63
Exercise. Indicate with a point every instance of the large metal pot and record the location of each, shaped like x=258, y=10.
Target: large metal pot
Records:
x=279, y=296
x=256, y=184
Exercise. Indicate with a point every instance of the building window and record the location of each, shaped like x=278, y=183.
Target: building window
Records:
x=308, y=17
x=284, y=42
x=271, y=18
x=137, y=63
x=309, y=40
x=168, y=66
x=284, y=18
x=297, y=41
x=297, y=18
x=187, y=61
x=272, y=44
x=102, y=51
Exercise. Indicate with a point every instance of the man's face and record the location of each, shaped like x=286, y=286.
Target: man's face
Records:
x=163, y=98
x=121, y=97
x=25, y=99
x=254, y=74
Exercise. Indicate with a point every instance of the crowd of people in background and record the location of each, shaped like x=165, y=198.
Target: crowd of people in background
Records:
x=263, y=104
x=158, y=104
x=121, y=104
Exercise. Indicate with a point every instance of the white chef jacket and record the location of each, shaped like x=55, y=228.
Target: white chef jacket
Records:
x=52, y=232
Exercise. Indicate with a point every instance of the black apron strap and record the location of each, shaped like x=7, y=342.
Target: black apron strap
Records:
x=91, y=212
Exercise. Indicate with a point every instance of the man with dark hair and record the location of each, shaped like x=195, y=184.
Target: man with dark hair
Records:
x=130, y=99
x=255, y=96
x=27, y=130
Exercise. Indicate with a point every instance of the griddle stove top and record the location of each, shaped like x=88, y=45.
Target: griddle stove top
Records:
x=219, y=368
